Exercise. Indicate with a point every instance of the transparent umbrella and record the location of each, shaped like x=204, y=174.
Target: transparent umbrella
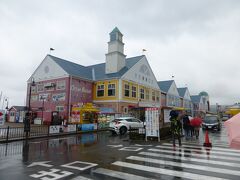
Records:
x=233, y=125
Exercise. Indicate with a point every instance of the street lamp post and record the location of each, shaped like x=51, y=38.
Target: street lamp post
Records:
x=43, y=99
x=6, y=115
x=28, y=116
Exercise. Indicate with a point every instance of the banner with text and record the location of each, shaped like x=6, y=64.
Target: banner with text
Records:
x=152, y=122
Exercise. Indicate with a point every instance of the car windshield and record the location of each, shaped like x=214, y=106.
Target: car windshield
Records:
x=210, y=119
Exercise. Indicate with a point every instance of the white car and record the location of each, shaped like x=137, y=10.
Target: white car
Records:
x=123, y=124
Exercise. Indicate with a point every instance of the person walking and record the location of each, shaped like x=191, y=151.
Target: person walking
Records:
x=196, y=124
x=175, y=127
x=186, y=126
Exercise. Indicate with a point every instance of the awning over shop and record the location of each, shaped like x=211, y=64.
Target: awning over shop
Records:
x=179, y=108
x=106, y=110
x=86, y=108
x=232, y=111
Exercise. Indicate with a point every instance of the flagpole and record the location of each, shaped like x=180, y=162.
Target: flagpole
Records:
x=50, y=50
x=143, y=50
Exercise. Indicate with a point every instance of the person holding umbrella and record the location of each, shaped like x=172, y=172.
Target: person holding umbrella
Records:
x=196, y=124
x=175, y=127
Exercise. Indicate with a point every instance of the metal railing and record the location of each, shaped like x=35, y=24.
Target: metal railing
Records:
x=17, y=133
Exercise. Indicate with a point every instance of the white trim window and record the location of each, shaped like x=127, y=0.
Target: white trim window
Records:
x=134, y=91
x=34, y=97
x=153, y=96
x=147, y=94
x=60, y=108
x=126, y=90
x=141, y=93
x=111, y=89
x=61, y=85
x=33, y=89
x=100, y=90
x=49, y=86
x=158, y=96
x=40, y=88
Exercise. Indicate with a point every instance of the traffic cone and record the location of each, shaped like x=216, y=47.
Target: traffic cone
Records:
x=207, y=143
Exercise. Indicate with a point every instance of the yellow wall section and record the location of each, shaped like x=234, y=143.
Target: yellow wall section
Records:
x=138, y=92
x=105, y=83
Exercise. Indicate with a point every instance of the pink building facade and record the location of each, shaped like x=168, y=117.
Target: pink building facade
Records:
x=55, y=93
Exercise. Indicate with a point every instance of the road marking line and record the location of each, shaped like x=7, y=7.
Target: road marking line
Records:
x=165, y=171
x=71, y=166
x=40, y=163
x=196, y=155
x=142, y=145
x=81, y=178
x=202, y=150
x=176, y=157
x=185, y=165
x=113, y=146
x=213, y=148
x=130, y=149
x=215, y=145
x=53, y=174
x=119, y=175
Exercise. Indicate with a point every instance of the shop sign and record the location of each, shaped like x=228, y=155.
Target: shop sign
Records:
x=58, y=97
x=166, y=115
x=87, y=127
x=152, y=122
x=62, y=129
x=75, y=116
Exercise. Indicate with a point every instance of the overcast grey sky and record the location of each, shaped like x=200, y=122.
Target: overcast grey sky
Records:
x=197, y=42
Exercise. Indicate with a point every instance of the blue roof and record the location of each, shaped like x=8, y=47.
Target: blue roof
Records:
x=99, y=69
x=196, y=98
x=73, y=68
x=115, y=30
x=182, y=91
x=165, y=85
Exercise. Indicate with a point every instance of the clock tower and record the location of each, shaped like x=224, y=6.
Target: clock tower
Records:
x=115, y=58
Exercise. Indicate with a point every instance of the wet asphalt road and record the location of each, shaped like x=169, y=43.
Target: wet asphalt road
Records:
x=103, y=156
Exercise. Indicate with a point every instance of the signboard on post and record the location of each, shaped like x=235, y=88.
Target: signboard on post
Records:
x=152, y=122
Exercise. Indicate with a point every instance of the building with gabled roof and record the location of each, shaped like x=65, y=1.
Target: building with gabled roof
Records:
x=125, y=85
x=185, y=98
x=170, y=88
x=16, y=114
x=198, y=107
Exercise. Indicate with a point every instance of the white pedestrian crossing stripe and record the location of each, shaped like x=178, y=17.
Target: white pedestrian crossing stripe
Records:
x=81, y=178
x=200, y=150
x=195, y=154
x=191, y=159
x=213, y=148
x=119, y=175
x=185, y=165
x=169, y=172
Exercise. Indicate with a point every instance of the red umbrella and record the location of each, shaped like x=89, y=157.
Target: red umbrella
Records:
x=196, y=121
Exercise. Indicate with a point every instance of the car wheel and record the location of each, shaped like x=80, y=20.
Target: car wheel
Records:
x=123, y=130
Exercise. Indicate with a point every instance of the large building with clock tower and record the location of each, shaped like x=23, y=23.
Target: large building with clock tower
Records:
x=124, y=85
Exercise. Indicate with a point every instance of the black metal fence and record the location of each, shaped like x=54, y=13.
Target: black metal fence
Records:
x=17, y=133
